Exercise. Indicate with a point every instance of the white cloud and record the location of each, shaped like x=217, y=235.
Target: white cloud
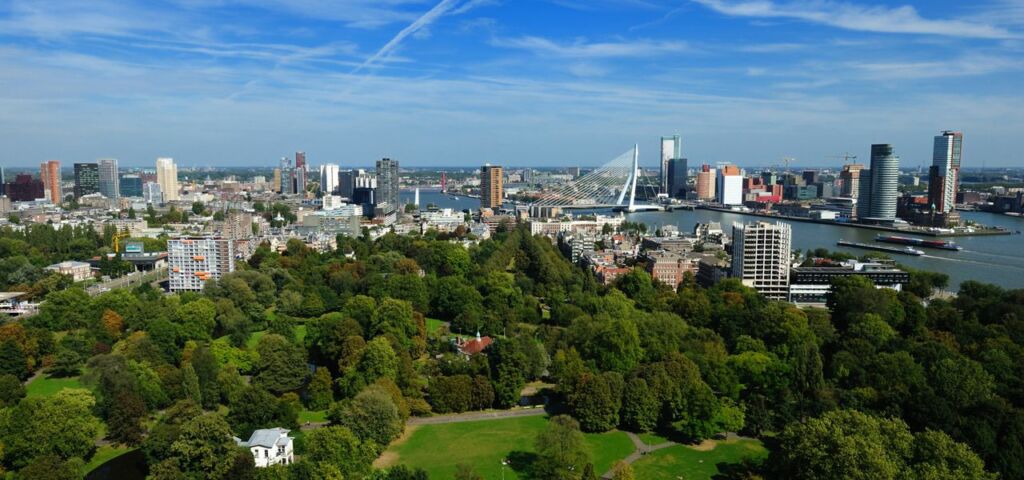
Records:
x=883, y=19
x=583, y=49
x=420, y=23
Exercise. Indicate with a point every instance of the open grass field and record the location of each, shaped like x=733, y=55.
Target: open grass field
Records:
x=254, y=337
x=433, y=324
x=315, y=416
x=102, y=455
x=689, y=463
x=45, y=386
x=439, y=448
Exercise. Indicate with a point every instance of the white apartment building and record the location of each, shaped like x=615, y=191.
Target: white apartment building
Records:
x=761, y=257
x=194, y=260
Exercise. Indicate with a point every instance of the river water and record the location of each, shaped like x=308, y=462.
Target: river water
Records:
x=997, y=259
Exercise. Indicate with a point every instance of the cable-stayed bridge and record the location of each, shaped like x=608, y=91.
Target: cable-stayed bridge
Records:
x=615, y=185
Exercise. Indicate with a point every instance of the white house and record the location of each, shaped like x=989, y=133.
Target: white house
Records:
x=270, y=446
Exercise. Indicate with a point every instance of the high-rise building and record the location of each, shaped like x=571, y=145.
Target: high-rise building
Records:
x=3, y=182
x=167, y=177
x=706, y=183
x=677, y=178
x=885, y=176
x=49, y=174
x=329, y=178
x=130, y=185
x=110, y=184
x=944, y=174
x=761, y=256
x=87, y=179
x=387, y=183
x=863, y=207
x=276, y=185
x=24, y=188
x=491, y=188
x=151, y=193
x=286, y=185
x=730, y=185
x=671, y=147
x=851, y=180
x=300, y=173
x=194, y=260
x=810, y=177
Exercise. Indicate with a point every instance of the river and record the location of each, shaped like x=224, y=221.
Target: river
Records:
x=997, y=259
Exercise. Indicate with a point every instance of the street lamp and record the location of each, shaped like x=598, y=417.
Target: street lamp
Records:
x=503, y=463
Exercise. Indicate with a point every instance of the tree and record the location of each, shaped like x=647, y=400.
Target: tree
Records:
x=320, y=392
x=204, y=448
x=560, y=450
x=594, y=404
x=623, y=471
x=198, y=319
x=843, y=444
x=13, y=360
x=452, y=394
x=640, y=407
x=281, y=366
x=373, y=416
x=52, y=467
x=190, y=384
x=62, y=425
x=936, y=456
x=338, y=446
x=378, y=360
x=67, y=363
x=125, y=419
x=11, y=390
x=255, y=409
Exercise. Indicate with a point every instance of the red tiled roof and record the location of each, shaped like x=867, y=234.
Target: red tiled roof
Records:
x=474, y=346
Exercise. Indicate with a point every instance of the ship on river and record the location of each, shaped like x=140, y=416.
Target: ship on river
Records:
x=882, y=248
x=919, y=242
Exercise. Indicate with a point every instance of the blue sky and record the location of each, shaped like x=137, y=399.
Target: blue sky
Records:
x=517, y=82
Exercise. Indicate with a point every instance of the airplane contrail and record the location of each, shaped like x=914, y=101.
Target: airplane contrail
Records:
x=424, y=20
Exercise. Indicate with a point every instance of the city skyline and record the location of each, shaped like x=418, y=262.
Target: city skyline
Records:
x=465, y=81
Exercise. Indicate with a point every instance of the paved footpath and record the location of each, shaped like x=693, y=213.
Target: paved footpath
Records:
x=641, y=449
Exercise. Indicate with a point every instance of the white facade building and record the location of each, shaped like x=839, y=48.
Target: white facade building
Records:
x=761, y=256
x=194, y=260
x=730, y=186
x=151, y=193
x=329, y=178
x=270, y=446
x=167, y=177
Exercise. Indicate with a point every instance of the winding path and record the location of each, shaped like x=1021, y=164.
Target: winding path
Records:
x=641, y=449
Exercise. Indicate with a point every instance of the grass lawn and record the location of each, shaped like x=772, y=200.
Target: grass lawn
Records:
x=45, y=386
x=433, y=324
x=104, y=454
x=315, y=416
x=652, y=439
x=254, y=337
x=439, y=448
x=683, y=462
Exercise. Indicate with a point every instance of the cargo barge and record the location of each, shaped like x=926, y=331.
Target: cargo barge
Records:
x=882, y=248
x=919, y=242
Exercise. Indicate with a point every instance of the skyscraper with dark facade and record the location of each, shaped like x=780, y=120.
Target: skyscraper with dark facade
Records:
x=387, y=182
x=130, y=185
x=677, y=178
x=24, y=188
x=87, y=179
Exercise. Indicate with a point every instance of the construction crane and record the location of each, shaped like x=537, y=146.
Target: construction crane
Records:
x=116, y=239
x=845, y=156
x=785, y=161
